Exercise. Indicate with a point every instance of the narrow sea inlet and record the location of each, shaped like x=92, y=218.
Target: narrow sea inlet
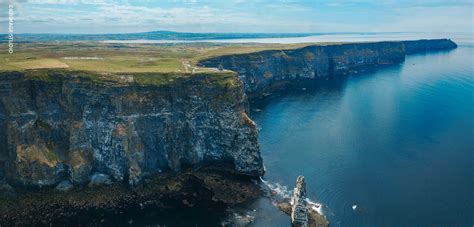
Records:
x=392, y=147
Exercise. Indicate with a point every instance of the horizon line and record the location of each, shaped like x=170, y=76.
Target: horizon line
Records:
x=276, y=33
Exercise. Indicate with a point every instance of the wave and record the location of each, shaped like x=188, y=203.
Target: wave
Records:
x=278, y=192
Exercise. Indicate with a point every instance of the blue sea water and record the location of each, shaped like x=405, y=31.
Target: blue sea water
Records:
x=397, y=142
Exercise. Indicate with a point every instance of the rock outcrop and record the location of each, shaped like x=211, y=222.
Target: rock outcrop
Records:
x=265, y=70
x=299, y=210
x=302, y=211
x=66, y=127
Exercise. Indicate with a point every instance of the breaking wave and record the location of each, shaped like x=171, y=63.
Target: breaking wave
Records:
x=278, y=192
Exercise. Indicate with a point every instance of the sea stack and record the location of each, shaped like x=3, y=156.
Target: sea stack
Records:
x=299, y=210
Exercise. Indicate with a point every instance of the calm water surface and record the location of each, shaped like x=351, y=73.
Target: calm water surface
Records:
x=398, y=143
x=329, y=37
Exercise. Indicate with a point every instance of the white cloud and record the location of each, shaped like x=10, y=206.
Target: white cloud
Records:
x=106, y=16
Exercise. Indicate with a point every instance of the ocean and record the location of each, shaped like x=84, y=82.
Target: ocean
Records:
x=393, y=147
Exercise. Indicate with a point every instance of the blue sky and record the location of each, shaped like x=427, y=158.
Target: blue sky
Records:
x=120, y=16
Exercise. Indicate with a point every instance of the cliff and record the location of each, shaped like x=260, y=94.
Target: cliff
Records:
x=67, y=126
x=423, y=46
x=266, y=69
x=71, y=128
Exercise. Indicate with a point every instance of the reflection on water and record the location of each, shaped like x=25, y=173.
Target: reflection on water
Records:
x=397, y=143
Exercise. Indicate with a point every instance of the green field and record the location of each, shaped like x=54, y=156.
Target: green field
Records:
x=143, y=64
x=101, y=57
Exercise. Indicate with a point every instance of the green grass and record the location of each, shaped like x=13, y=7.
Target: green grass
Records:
x=148, y=64
x=222, y=79
x=101, y=57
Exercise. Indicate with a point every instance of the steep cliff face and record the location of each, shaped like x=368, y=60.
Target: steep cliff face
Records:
x=262, y=70
x=423, y=46
x=71, y=127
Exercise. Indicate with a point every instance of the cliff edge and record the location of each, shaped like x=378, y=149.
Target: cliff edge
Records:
x=64, y=126
x=261, y=71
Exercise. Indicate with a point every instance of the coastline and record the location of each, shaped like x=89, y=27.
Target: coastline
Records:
x=175, y=188
x=206, y=189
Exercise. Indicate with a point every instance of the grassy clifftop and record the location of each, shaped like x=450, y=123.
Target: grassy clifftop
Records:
x=156, y=64
x=142, y=64
x=221, y=79
x=102, y=57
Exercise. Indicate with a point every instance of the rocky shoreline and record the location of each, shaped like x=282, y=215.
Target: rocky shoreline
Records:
x=206, y=191
x=100, y=205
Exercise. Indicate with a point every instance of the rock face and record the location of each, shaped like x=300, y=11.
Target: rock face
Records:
x=299, y=210
x=423, y=46
x=64, y=186
x=99, y=179
x=55, y=128
x=67, y=128
x=265, y=69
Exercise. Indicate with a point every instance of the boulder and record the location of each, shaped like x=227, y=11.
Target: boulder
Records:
x=100, y=179
x=6, y=189
x=64, y=186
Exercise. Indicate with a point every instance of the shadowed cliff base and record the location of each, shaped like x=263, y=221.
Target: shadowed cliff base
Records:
x=203, y=192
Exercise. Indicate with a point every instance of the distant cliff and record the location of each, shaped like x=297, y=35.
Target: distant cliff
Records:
x=262, y=70
x=423, y=46
x=67, y=127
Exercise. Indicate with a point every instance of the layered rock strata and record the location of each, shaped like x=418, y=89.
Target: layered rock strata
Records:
x=70, y=128
x=264, y=70
x=302, y=212
x=299, y=210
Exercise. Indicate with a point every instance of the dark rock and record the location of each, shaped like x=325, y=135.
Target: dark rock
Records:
x=426, y=45
x=6, y=190
x=285, y=206
x=302, y=213
x=92, y=206
x=123, y=130
x=267, y=70
x=299, y=210
x=100, y=179
x=239, y=220
x=65, y=186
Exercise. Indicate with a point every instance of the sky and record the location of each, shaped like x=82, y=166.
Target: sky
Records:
x=277, y=16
